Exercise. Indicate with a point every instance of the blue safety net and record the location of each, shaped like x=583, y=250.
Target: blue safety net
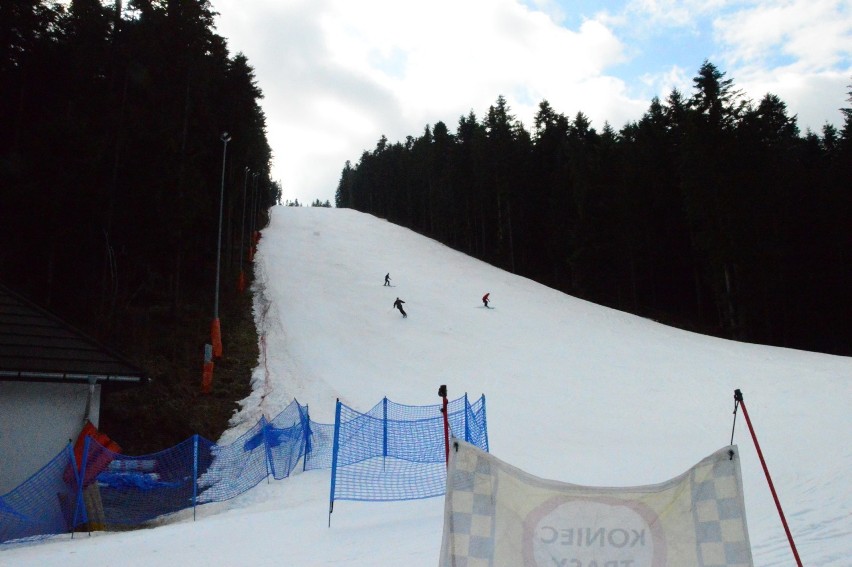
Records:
x=397, y=452
x=474, y=424
x=269, y=448
x=109, y=490
x=288, y=438
x=320, y=446
x=47, y=503
x=135, y=490
x=235, y=468
x=394, y=452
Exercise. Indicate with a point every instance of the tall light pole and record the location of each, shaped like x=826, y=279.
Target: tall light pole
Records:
x=241, y=282
x=216, y=330
x=253, y=216
x=256, y=204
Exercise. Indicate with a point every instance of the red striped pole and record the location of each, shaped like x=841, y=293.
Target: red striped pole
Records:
x=738, y=396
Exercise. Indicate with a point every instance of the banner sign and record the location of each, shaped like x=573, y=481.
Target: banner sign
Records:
x=496, y=515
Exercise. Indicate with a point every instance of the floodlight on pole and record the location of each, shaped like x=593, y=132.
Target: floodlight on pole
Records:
x=216, y=330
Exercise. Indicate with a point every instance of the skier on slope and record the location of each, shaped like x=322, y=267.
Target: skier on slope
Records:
x=485, y=299
x=387, y=278
x=398, y=304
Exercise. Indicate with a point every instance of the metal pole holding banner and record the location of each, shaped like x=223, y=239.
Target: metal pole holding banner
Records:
x=738, y=400
x=442, y=391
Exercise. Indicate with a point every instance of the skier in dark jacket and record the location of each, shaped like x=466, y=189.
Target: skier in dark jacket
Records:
x=485, y=299
x=398, y=304
x=387, y=278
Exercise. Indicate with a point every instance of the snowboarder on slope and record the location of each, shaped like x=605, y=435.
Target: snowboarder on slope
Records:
x=398, y=304
x=387, y=279
x=485, y=299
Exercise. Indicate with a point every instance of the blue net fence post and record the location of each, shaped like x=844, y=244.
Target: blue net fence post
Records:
x=384, y=430
x=306, y=436
x=76, y=476
x=267, y=447
x=79, y=507
x=194, y=474
x=78, y=484
x=467, y=411
x=78, y=471
x=334, y=451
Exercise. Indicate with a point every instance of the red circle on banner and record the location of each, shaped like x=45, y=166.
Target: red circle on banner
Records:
x=593, y=530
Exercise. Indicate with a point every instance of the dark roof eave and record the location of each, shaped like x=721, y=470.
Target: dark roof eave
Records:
x=67, y=378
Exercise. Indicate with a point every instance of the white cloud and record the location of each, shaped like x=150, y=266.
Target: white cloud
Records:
x=815, y=98
x=339, y=74
x=674, y=77
x=800, y=50
x=551, y=8
x=813, y=34
x=669, y=13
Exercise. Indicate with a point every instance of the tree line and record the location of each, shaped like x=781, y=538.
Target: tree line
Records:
x=111, y=157
x=112, y=170
x=711, y=212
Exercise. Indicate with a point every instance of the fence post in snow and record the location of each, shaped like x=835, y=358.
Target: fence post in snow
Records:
x=466, y=425
x=75, y=470
x=334, y=450
x=306, y=436
x=267, y=449
x=194, y=474
x=384, y=430
x=81, y=480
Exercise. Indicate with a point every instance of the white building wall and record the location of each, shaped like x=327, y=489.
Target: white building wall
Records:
x=36, y=422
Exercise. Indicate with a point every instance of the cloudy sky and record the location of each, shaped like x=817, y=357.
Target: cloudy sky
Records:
x=339, y=74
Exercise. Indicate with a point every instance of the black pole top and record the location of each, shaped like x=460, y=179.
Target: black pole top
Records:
x=442, y=391
x=738, y=396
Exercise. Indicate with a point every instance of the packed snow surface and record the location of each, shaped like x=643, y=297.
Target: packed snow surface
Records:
x=575, y=392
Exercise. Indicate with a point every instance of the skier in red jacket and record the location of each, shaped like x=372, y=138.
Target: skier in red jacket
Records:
x=485, y=299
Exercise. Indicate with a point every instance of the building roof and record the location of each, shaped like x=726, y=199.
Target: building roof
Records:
x=37, y=346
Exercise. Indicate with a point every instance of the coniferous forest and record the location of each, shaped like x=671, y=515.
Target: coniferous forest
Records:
x=111, y=170
x=713, y=213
